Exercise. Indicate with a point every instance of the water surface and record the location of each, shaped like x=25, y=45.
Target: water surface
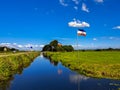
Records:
x=45, y=75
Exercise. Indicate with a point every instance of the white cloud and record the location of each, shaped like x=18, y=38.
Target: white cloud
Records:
x=94, y=39
x=41, y=46
x=117, y=27
x=84, y=8
x=113, y=38
x=5, y=44
x=99, y=1
x=109, y=38
x=77, y=78
x=76, y=1
x=22, y=47
x=33, y=45
x=75, y=7
x=75, y=46
x=78, y=24
x=28, y=45
x=14, y=43
x=62, y=2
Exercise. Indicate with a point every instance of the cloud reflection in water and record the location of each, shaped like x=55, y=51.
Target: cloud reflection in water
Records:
x=77, y=78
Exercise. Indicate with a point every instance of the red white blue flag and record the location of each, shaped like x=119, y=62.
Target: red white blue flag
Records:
x=81, y=32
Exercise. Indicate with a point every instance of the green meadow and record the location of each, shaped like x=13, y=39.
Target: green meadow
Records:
x=98, y=64
x=14, y=63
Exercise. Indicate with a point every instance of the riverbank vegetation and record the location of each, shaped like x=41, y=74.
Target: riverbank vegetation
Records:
x=102, y=64
x=14, y=63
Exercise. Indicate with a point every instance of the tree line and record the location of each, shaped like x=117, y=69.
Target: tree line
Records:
x=7, y=49
x=55, y=46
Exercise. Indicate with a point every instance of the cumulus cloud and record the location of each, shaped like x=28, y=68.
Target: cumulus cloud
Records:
x=75, y=7
x=117, y=27
x=22, y=47
x=99, y=1
x=62, y=2
x=84, y=8
x=78, y=24
x=33, y=45
x=6, y=44
x=76, y=1
x=94, y=39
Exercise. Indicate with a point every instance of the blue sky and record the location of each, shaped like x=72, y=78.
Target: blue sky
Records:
x=25, y=23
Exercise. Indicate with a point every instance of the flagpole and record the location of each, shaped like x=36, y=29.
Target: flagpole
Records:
x=81, y=33
x=78, y=58
x=77, y=46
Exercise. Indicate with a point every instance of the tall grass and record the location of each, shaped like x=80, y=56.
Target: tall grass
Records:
x=102, y=64
x=10, y=65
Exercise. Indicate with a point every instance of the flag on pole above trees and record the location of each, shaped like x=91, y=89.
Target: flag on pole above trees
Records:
x=81, y=32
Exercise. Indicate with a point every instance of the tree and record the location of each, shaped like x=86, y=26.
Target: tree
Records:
x=7, y=49
x=68, y=48
x=47, y=48
x=54, y=43
x=55, y=46
x=60, y=48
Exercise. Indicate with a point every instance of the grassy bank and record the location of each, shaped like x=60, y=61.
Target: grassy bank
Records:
x=12, y=63
x=100, y=64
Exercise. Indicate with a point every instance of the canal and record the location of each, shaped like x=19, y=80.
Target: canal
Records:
x=45, y=75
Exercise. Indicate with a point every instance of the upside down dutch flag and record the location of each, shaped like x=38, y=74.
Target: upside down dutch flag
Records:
x=81, y=32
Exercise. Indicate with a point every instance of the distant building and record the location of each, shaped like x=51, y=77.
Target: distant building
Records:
x=59, y=44
x=5, y=49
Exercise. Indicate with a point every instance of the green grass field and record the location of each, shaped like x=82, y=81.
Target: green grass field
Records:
x=99, y=64
x=12, y=63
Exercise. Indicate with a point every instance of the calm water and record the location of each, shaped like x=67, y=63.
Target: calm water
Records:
x=45, y=75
